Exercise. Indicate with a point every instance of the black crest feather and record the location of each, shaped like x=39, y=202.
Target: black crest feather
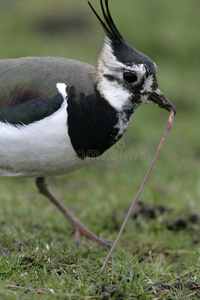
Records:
x=108, y=23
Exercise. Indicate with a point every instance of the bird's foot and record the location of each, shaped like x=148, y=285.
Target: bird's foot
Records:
x=79, y=229
x=3, y=251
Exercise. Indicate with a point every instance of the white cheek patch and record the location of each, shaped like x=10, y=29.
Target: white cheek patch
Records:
x=114, y=93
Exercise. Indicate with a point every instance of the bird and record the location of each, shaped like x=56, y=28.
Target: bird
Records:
x=58, y=114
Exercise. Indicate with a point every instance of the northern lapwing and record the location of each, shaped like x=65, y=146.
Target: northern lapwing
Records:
x=58, y=114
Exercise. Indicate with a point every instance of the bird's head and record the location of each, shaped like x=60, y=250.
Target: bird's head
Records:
x=125, y=76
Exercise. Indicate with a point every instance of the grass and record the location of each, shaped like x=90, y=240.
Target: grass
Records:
x=158, y=256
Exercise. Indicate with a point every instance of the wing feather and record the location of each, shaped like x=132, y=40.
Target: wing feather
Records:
x=28, y=86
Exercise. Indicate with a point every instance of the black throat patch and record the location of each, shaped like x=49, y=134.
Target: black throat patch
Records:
x=92, y=123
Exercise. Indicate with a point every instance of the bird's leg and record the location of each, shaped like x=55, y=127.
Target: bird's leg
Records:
x=77, y=227
x=3, y=251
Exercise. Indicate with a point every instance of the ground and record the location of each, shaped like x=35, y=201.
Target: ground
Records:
x=158, y=255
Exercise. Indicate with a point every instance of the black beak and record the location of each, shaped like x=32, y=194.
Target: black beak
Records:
x=158, y=98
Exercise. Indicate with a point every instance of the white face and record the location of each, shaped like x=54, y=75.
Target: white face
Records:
x=118, y=83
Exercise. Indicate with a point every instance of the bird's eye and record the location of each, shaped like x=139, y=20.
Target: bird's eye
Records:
x=129, y=77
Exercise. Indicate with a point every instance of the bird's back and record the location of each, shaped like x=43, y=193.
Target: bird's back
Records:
x=32, y=77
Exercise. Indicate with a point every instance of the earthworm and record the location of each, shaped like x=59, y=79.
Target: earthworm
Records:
x=170, y=121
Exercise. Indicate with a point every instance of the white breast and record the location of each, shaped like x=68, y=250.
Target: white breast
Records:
x=42, y=148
